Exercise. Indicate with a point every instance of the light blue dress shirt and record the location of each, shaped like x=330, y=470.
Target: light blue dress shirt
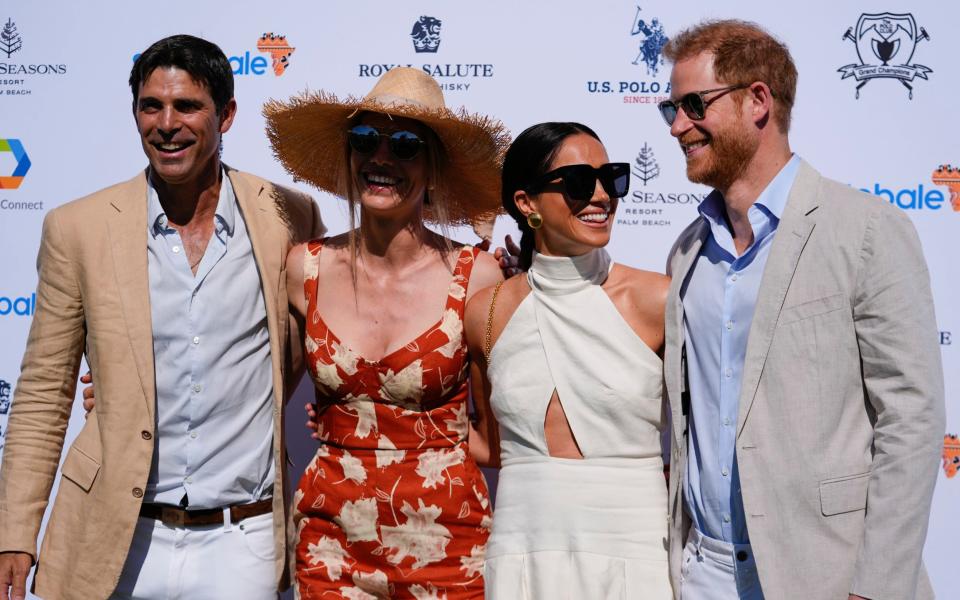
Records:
x=214, y=429
x=719, y=296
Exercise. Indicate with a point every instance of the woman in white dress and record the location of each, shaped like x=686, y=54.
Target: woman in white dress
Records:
x=568, y=386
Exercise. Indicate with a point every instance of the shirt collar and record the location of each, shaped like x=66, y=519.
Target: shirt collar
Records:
x=772, y=200
x=225, y=213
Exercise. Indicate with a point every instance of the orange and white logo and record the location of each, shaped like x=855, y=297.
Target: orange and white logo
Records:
x=949, y=176
x=278, y=49
x=951, y=455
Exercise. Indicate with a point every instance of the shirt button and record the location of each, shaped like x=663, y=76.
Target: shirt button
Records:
x=196, y=339
x=188, y=479
x=146, y=434
x=193, y=435
x=728, y=373
x=176, y=249
x=729, y=325
x=197, y=388
x=137, y=492
x=734, y=277
x=725, y=472
x=726, y=421
x=726, y=518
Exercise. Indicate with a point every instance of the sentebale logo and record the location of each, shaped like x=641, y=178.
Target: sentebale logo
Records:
x=248, y=63
x=278, y=49
x=890, y=38
x=949, y=176
x=10, y=40
x=426, y=34
x=13, y=181
x=951, y=455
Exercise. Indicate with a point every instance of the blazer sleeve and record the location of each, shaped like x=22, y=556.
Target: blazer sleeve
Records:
x=44, y=394
x=312, y=229
x=903, y=381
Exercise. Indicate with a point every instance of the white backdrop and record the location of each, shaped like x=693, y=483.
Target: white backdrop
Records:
x=64, y=99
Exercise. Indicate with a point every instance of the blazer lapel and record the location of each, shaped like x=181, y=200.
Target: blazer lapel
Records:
x=127, y=224
x=269, y=250
x=792, y=234
x=684, y=257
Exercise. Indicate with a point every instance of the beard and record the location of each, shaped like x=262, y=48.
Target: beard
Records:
x=726, y=158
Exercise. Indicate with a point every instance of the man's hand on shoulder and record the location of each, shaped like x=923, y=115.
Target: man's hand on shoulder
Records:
x=14, y=567
x=508, y=258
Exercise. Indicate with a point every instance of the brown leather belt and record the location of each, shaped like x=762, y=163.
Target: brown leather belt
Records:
x=180, y=517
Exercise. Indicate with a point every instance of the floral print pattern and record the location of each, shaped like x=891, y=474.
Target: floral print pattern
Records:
x=392, y=505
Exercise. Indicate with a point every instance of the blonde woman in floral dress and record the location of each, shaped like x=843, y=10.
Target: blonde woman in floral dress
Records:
x=392, y=505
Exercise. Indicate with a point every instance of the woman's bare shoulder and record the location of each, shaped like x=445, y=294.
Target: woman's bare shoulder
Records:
x=485, y=274
x=508, y=297
x=647, y=289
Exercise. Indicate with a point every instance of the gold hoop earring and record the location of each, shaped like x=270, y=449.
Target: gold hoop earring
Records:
x=534, y=220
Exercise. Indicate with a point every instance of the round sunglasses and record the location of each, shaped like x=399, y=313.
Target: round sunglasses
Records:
x=404, y=145
x=580, y=181
x=694, y=104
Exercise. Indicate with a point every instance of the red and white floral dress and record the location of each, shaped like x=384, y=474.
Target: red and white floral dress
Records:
x=392, y=505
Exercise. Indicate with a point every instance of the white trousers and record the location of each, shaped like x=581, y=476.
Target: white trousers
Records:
x=200, y=562
x=716, y=570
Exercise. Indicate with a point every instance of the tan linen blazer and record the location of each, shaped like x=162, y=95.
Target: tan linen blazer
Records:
x=93, y=298
x=841, y=411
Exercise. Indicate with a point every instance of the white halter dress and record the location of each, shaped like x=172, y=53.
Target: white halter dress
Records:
x=594, y=528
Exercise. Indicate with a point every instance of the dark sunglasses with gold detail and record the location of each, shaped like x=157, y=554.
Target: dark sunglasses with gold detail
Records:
x=580, y=181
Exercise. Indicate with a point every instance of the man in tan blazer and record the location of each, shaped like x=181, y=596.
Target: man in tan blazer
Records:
x=172, y=284
x=801, y=363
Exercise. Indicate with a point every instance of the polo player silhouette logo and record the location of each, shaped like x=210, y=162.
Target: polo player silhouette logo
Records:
x=278, y=49
x=951, y=455
x=426, y=34
x=4, y=397
x=949, y=176
x=890, y=38
x=652, y=43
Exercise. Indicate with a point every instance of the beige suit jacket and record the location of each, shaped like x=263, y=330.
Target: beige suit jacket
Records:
x=93, y=298
x=841, y=409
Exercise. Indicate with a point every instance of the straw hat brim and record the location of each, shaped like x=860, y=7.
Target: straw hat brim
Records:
x=309, y=138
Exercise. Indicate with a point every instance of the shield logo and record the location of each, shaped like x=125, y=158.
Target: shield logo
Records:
x=888, y=37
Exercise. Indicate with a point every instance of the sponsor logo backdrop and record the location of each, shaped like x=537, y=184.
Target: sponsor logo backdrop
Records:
x=874, y=109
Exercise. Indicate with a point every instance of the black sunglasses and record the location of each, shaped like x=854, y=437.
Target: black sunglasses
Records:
x=694, y=104
x=405, y=145
x=580, y=181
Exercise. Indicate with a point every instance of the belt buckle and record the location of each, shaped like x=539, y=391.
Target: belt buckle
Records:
x=172, y=516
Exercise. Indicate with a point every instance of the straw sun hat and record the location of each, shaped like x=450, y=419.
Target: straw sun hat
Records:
x=309, y=137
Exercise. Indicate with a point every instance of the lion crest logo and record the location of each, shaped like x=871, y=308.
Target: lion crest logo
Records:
x=426, y=34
